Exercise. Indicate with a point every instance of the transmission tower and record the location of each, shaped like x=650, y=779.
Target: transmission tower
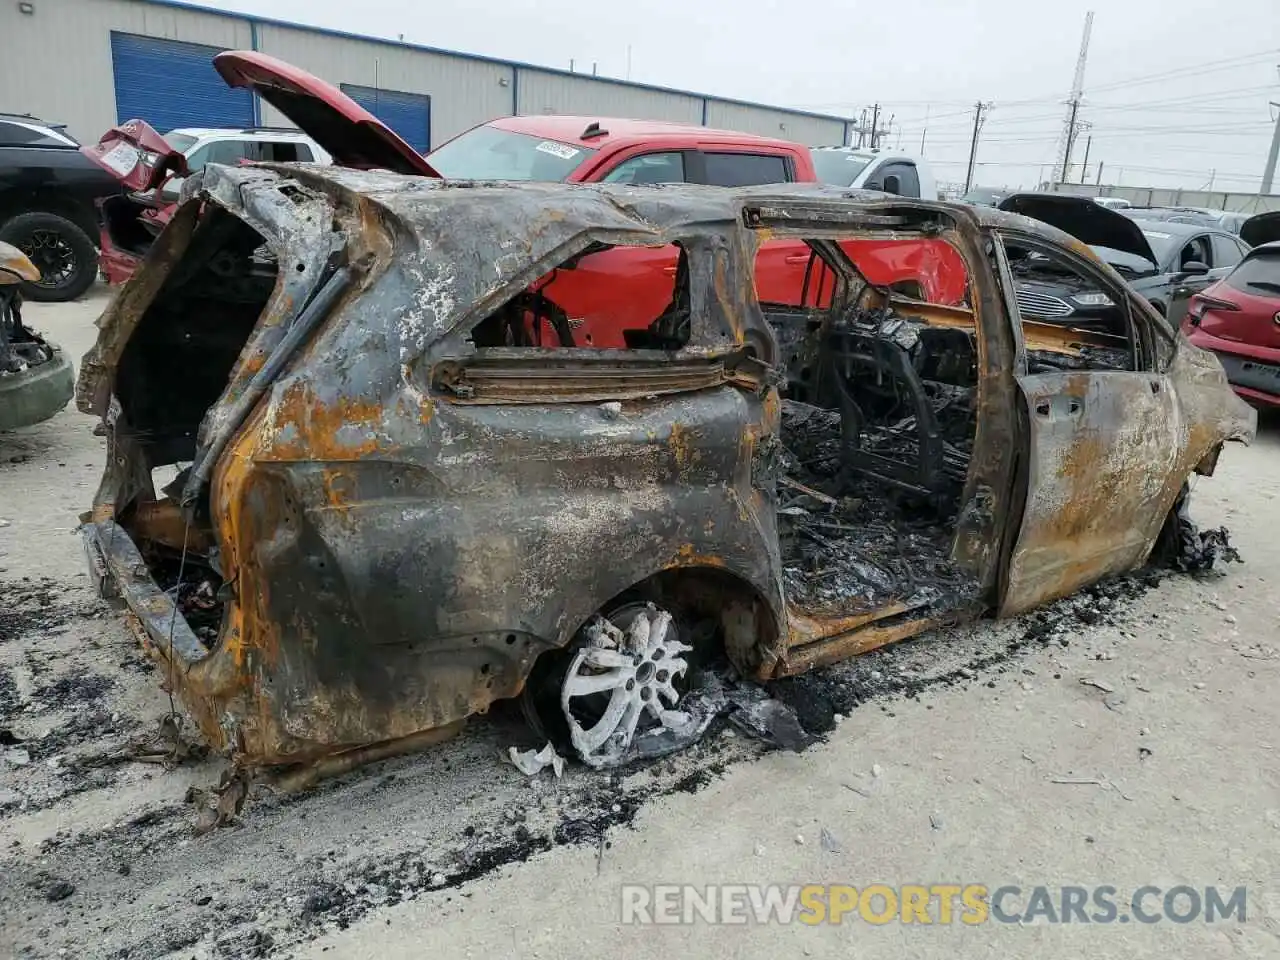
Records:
x=1066, y=140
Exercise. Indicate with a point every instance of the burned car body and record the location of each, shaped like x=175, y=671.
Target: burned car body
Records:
x=396, y=497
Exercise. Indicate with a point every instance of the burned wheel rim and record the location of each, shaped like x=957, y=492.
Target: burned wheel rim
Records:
x=632, y=671
x=52, y=254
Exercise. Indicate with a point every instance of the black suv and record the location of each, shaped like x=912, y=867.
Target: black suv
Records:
x=48, y=191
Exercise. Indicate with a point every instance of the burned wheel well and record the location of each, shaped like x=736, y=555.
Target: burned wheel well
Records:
x=738, y=616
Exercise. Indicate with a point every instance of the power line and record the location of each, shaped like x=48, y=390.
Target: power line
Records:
x=1199, y=70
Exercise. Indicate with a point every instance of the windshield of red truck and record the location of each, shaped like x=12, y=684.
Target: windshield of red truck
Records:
x=487, y=153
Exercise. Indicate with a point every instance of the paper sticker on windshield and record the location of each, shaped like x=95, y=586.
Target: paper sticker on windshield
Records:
x=1151, y=234
x=561, y=150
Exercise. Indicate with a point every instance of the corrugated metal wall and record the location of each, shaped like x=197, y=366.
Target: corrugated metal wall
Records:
x=766, y=122
x=56, y=62
x=464, y=91
x=545, y=92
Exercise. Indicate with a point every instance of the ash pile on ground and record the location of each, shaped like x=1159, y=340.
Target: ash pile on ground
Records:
x=872, y=546
x=39, y=604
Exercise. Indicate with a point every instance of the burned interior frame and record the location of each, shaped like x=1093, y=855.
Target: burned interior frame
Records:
x=397, y=502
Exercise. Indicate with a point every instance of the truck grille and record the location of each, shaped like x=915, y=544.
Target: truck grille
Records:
x=1040, y=305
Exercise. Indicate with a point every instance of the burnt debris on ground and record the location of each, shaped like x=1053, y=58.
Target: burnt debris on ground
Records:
x=317, y=890
x=39, y=605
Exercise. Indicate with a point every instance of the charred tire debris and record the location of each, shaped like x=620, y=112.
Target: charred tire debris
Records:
x=390, y=508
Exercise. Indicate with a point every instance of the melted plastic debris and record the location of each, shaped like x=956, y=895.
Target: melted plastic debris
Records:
x=533, y=762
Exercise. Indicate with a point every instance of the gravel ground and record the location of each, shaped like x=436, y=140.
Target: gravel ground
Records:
x=943, y=771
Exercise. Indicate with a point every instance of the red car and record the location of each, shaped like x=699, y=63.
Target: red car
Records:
x=1238, y=318
x=606, y=292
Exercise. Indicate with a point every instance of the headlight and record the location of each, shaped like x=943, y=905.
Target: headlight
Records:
x=1097, y=299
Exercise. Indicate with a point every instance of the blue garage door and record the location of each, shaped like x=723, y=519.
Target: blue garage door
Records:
x=408, y=114
x=171, y=84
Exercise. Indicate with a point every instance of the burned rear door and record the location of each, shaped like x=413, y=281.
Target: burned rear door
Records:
x=1101, y=433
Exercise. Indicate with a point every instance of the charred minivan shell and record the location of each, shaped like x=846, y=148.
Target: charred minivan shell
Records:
x=405, y=522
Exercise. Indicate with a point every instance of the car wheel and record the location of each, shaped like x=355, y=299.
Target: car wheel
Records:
x=64, y=254
x=621, y=691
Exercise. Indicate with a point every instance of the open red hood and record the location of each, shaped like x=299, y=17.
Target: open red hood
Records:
x=137, y=156
x=349, y=132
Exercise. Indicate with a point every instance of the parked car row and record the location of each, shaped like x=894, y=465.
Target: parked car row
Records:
x=1200, y=216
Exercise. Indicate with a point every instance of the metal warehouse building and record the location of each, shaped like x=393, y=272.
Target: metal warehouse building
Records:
x=93, y=63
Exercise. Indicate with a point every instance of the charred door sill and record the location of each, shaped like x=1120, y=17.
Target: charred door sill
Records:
x=889, y=629
x=116, y=559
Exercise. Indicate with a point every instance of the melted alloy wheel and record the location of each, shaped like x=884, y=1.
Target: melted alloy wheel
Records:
x=635, y=669
x=617, y=690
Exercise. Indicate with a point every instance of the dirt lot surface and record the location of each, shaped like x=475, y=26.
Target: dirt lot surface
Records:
x=973, y=755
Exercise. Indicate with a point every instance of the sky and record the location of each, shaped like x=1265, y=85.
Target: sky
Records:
x=1176, y=92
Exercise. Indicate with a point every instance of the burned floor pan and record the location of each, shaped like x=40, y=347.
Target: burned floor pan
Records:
x=858, y=546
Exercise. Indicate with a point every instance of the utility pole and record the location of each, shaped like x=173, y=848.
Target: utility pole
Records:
x=875, y=120
x=1071, y=138
x=1084, y=167
x=925, y=130
x=979, y=109
x=1073, y=105
x=1098, y=182
x=862, y=128
x=1269, y=174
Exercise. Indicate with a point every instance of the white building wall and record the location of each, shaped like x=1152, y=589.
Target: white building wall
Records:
x=56, y=62
x=463, y=92
x=768, y=122
x=546, y=92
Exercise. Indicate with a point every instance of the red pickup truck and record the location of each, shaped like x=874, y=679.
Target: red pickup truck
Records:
x=605, y=292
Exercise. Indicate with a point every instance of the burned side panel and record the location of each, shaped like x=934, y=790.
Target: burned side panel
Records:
x=396, y=556
x=387, y=596
x=1103, y=447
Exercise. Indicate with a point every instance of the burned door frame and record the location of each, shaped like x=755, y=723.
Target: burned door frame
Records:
x=1098, y=449
x=988, y=491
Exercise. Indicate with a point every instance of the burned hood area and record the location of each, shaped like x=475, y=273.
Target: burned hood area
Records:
x=382, y=455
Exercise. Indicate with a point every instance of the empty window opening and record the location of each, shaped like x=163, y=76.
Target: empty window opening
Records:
x=175, y=366
x=1070, y=319
x=609, y=297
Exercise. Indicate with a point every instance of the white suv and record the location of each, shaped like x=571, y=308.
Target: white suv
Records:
x=201, y=145
x=899, y=173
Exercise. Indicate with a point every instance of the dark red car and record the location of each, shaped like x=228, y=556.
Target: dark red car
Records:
x=1238, y=318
